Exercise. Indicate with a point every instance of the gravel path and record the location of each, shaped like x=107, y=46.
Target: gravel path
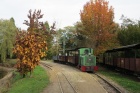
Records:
x=81, y=81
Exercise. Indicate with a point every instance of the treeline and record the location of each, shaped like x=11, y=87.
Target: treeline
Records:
x=28, y=46
x=126, y=33
x=7, y=38
x=8, y=34
x=129, y=32
x=98, y=30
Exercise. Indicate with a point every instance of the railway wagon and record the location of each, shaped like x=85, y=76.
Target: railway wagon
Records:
x=82, y=58
x=73, y=56
x=62, y=58
x=55, y=58
x=126, y=58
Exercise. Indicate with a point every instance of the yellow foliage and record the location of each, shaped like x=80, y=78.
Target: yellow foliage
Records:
x=97, y=20
x=28, y=48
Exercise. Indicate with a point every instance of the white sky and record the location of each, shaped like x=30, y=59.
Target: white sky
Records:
x=64, y=12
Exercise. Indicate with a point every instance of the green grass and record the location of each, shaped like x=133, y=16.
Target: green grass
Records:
x=34, y=84
x=127, y=83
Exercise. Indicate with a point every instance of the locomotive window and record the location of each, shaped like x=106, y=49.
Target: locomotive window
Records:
x=86, y=51
x=76, y=52
x=70, y=53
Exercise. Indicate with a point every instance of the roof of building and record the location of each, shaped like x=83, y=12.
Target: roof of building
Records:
x=123, y=48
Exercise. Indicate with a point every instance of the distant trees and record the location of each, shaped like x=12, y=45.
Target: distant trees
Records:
x=50, y=33
x=129, y=32
x=67, y=38
x=83, y=40
x=70, y=36
x=98, y=25
x=7, y=38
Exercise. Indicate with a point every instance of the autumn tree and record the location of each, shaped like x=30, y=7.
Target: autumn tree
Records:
x=99, y=27
x=30, y=45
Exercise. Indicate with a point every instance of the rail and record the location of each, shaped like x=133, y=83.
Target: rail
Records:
x=60, y=84
x=116, y=90
x=47, y=65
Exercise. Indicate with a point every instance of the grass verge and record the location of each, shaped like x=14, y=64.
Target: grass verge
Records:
x=34, y=84
x=127, y=83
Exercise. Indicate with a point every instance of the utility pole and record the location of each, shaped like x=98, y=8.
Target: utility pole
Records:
x=64, y=43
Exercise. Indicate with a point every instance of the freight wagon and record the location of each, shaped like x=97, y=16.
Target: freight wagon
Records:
x=126, y=58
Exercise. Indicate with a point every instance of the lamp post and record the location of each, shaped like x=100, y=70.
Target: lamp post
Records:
x=64, y=42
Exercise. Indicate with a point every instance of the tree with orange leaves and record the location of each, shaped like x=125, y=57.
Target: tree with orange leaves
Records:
x=30, y=45
x=97, y=19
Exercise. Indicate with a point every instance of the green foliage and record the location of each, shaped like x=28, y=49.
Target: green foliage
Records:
x=50, y=36
x=7, y=38
x=82, y=39
x=68, y=37
x=33, y=84
x=129, y=32
x=49, y=54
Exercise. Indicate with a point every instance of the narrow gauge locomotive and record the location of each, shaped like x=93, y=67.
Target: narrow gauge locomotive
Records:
x=83, y=58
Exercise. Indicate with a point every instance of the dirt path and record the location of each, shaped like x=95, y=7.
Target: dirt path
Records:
x=82, y=82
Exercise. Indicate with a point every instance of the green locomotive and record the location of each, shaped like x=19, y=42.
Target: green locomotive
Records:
x=83, y=58
x=87, y=61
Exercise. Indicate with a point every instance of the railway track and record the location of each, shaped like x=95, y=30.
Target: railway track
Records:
x=109, y=87
x=47, y=65
x=64, y=84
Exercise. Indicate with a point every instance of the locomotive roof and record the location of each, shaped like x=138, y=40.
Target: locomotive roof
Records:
x=123, y=48
x=75, y=49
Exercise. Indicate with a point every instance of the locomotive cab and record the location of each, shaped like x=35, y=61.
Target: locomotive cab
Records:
x=87, y=61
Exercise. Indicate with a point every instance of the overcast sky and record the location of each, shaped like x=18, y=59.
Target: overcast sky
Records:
x=64, y=12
